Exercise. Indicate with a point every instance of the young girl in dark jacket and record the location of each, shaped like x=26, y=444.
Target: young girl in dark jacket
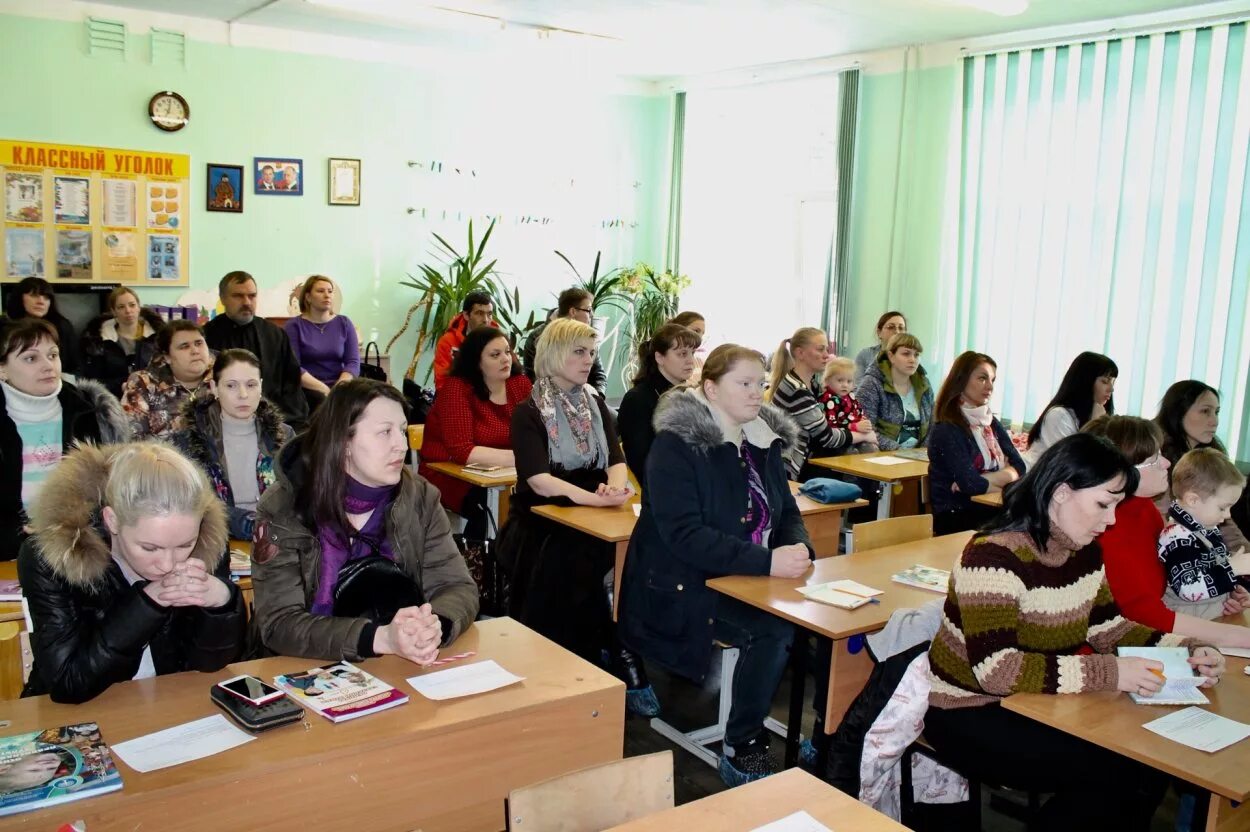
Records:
x=665, y=360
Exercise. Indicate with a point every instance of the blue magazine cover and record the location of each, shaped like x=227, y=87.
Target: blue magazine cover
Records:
x=53, y=766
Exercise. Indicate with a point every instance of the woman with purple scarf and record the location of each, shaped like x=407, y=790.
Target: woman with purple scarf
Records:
x=353, y=555
x=717, y=503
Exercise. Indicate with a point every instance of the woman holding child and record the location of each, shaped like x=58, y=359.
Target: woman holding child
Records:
x=1036, y=578
x=797, y=365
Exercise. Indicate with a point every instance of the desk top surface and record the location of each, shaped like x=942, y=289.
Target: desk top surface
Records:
x=136, y=708
x=764, y=801
x=873, y=568
x=863, y=465
x=451, y=469
x=1111, y=719
x=995, y=499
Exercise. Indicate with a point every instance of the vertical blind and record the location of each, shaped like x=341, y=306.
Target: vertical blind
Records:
x=1104, y=206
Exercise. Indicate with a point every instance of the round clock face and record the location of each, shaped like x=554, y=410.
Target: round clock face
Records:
x=169, y=111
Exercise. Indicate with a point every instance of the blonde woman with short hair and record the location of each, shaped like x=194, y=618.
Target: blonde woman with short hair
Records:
x=126, y=574
x=567, y=453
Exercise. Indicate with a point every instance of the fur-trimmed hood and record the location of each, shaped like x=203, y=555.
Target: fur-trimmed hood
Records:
x=201, y=418
x=66, y=518
x=685, y=412
x=114, y=426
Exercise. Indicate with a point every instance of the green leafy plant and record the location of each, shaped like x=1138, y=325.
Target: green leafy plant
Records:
x=443, y=289
x=655, y=299
x=606, y=289
x=508, y=313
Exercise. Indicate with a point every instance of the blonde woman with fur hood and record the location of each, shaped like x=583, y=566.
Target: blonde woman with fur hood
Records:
x=126, y=574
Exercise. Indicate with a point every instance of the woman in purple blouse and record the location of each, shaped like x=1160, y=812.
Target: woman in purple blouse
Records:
x=325, y=344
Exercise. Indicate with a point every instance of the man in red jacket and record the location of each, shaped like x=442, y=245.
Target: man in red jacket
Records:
x=477, y=310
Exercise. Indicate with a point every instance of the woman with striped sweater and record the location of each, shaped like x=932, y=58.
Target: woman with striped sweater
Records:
x=1029, y=611
x=795, y=388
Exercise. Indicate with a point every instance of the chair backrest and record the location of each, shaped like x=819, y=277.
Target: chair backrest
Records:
x=594, y=798
x=15, y=659
x=416, y=436
x=881, y=533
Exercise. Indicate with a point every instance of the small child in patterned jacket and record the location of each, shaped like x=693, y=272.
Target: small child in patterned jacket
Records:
x=1200, y=571
x=842, y=409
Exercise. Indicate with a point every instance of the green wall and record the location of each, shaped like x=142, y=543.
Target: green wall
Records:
x=540, y=146
x=901, y=185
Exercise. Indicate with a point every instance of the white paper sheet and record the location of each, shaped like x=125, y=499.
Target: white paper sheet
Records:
x=637, y=509
x=1239, y=652
x=1174, y=692
x=798, y=822
x=888, y=460
x=465, y=680
x=181, y=744
x=1199, y=729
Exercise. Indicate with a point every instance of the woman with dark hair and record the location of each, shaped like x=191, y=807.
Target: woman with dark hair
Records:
x=1084, y=394
x=718, y=504
x=125, y=573
x=567, y=453
x=1029, y=611
x=234, y=435
x=153, y=398
x=970, y=452
x=888, y=325
x=1130, y=550
x=33, y=297
x=120, y=341
x=353, y=555
x=325, y=343
x=664, y=361
x=41, y=418
x=471, y=420
x=692, y=321
x=1189, y=416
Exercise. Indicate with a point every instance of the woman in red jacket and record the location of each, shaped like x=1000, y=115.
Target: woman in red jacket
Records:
x=1130, y=547
x=471, y=421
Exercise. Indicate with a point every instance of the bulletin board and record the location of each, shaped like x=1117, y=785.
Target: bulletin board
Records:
x=76, y=214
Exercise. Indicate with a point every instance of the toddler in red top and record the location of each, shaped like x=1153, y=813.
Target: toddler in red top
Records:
x=842, y=410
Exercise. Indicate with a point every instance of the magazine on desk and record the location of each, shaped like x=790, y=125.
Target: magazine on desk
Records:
x=10, y=591
x=924, y=577
x=57, y=765
x=490, y=471
x=340, y=691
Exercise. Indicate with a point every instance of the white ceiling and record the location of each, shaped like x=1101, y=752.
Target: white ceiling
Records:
x=656, y=38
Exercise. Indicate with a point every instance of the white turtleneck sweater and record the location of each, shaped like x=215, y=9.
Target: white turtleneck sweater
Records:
x=38, y=421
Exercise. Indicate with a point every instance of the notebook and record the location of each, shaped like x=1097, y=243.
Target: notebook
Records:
x=490, y=471
x=845, y=594
x=1181, y=685
x=924, y=577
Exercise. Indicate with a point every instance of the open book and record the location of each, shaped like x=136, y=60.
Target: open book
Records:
x=1181, y=683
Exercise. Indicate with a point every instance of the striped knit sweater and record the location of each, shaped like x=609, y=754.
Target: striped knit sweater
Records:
x=1020, y=620
x=816, y=435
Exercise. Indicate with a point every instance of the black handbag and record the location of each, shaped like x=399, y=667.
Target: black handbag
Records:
x=372, y=371
x=374, y=587
x=419, y=400
x=257, y=718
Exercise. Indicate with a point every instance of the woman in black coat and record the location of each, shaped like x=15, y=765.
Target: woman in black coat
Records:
x=117, y=592
x=666, y=359
x=119, y=342
x=717, y=503
x=32, y=297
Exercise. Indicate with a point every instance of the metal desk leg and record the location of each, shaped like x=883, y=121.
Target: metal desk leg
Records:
x=798, y=674
x=887, y=500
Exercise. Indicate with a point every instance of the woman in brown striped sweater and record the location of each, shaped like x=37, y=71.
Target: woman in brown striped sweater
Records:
x=1029, y=611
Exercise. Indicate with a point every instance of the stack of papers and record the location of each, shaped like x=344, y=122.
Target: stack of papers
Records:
x=1181, y=682
x=848, y=595
x=1199, y=729
x=888, y=460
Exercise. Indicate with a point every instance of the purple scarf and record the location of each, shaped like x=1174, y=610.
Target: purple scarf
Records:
x=370, y=540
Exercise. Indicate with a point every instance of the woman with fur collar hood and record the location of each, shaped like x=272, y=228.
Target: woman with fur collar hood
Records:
x=41, y=418
x=717, y=503
x=120, y=341
x=126, y=574
x=234, y=435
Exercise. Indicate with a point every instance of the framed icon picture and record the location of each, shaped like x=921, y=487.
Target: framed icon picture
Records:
x=224, y=188
x=278, y=177
x=344, y=181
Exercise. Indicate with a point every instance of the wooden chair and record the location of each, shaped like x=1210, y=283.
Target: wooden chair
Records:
x=594, y=798
x=15, y=659
x=881, y=533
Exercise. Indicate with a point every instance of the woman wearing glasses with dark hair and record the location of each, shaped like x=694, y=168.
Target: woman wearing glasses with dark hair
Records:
x=1130, y=547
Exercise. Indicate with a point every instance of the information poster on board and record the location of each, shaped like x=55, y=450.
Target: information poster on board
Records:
x=81, y=214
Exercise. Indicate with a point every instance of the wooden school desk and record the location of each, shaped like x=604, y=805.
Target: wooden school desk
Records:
x=764, y=801
x=994, y=500
x=434, y=766
x=862, y=465
x=1111, y=720
x=832, y=626
x=615, y=525
x=498, y=489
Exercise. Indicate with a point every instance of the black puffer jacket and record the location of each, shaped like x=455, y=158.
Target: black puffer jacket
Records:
x=90, y=625
x=102, y=358
x=88, y=414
